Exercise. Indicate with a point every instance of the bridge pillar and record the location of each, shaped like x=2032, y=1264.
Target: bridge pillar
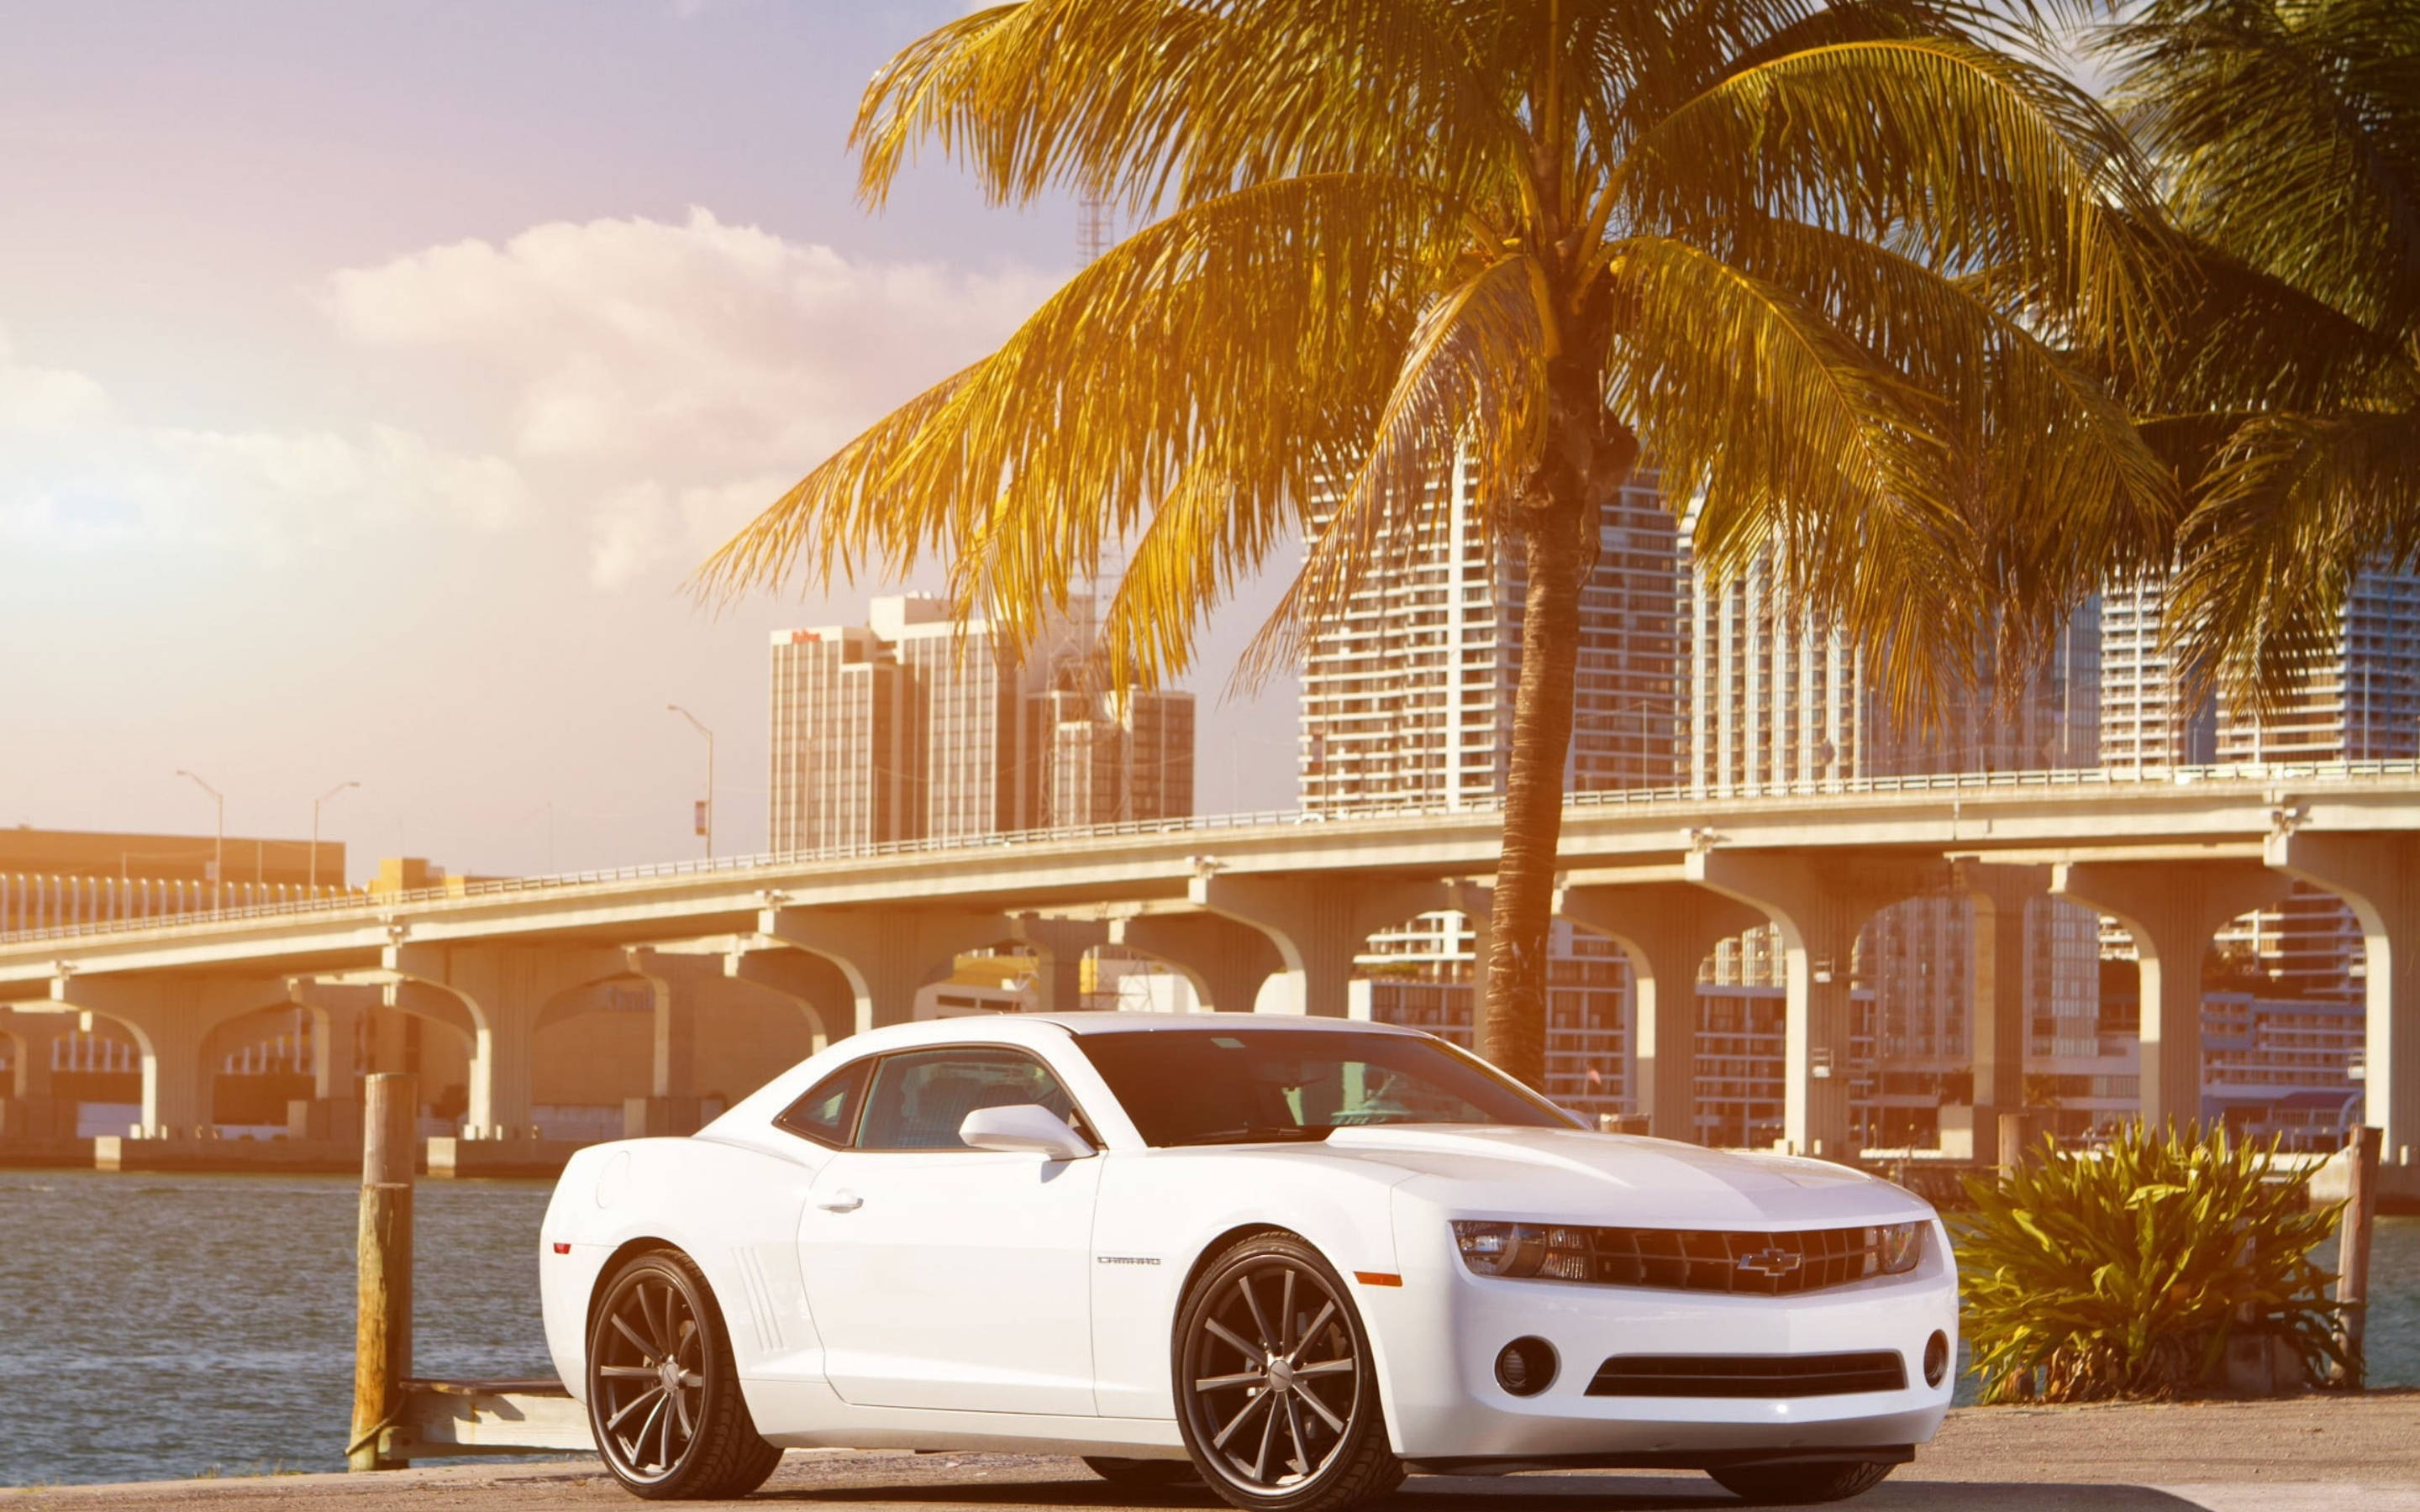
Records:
x=1820, y=906
x=1666, y=929
x=504, y=987
x=1318, y=923
x=1225, y=960
x=2378, y=875
x=29, y=1070
x=820, y=989
x=337, y=1011
x=887, y=954
x=1059, y=946
x=2172, y=909
x=170, y=1016
x=28, y=1106
x=678, y=985
x=1997, y=1027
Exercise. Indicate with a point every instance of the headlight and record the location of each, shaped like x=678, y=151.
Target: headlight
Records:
x=1523, y=1250
x=1896, y=1247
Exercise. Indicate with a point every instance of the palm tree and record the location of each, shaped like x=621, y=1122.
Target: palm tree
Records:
x=1815, y=264
x=2286, y=133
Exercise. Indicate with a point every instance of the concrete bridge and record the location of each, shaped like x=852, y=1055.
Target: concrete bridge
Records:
x=1234, y=901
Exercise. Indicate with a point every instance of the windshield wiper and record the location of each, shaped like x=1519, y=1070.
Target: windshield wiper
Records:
x=1258, y=1135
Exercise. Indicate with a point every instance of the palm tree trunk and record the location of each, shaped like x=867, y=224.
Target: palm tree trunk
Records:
x=1512, y=1026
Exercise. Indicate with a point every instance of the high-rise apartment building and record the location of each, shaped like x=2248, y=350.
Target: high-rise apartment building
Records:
x=2362, y=703
x=2148, y=723
x=1407, y=695
x=916, y=726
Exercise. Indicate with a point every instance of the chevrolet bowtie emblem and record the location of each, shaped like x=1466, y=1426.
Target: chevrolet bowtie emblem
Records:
x=1772, y=1262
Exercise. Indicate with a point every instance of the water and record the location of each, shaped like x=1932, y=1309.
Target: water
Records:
x=162, y=1326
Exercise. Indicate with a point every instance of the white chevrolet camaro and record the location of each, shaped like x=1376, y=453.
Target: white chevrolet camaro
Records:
x=1296, y=1258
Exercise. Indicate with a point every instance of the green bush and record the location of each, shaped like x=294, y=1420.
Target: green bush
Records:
x=2124, y=1271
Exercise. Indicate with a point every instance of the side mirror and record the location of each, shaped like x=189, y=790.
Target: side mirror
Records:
x=1026, y=1127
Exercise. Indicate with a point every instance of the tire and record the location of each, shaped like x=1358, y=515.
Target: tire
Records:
x=1800, y=1484
x=1276, y=1392
x=1143, y=1474
x=659, y=1358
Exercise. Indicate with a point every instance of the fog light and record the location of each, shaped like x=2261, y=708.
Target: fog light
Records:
x=1526, y=1366
x=1937, y=1358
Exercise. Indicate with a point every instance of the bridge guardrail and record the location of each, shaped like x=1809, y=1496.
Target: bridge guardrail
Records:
x=2086, y=777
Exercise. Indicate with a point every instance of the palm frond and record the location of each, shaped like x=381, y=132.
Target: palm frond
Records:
x=838, y=517
x=2296, y=508
x=2291, y=137
x=1967, y=159
x=2024, y=424
x=1750, y=400
x=1257, y=328
x=1472, y=382
x=1168, y=103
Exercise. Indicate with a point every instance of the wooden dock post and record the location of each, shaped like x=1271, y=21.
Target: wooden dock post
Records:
x=2352, y=1251
x=382, y=1324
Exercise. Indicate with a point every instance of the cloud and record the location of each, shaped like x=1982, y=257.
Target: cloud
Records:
x=284, y=488
x=637, y=529
x=77, y=477
x=639, y=387
x=699, y=349
x=46, y=399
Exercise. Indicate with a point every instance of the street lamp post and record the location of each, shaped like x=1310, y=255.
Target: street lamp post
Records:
x=218, y=851
x=312, y=888
x=708, y=825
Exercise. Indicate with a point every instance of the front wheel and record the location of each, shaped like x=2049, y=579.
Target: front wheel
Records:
x=663, y=1396
x=1800, y=1484
x=1277, y=1394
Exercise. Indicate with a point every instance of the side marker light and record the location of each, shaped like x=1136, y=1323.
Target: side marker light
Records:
x=562, y=1248
x=1377, y=1278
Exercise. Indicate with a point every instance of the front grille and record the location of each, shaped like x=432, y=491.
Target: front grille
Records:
x=1714, y=1259
x=1749, y=1375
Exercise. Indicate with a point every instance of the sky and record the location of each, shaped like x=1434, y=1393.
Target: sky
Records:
x=372, y=376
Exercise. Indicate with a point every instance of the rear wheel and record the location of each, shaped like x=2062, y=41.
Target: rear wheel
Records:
x=1800, y=1484
x=663, y=1395
x=1142, y=1474
x=1276, y=1392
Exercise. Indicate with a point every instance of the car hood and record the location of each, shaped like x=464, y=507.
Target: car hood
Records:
x=1571, y=1176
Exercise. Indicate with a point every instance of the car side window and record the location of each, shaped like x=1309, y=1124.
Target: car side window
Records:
x=828, y=1113
x=919, y=1099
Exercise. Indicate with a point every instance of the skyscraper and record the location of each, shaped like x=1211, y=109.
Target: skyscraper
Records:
x=2148, y=723
x=918, y=726
x=846, y=768
x=1407, y=695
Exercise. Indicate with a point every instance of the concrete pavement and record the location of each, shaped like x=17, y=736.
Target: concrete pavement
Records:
x=2311, y=1453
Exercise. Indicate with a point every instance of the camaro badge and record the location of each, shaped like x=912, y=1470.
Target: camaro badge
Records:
x=1127, y=1260
x=1773, y=1261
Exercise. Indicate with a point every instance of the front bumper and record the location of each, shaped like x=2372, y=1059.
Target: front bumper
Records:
x=1437, y=1337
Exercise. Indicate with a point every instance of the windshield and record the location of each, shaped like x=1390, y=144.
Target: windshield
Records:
x=1250, y=1086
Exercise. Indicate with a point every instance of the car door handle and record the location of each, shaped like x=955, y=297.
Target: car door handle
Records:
x=841, y=1202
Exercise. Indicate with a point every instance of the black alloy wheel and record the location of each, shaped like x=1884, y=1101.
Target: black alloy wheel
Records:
x=663, y=1395
x=1277, y=1396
